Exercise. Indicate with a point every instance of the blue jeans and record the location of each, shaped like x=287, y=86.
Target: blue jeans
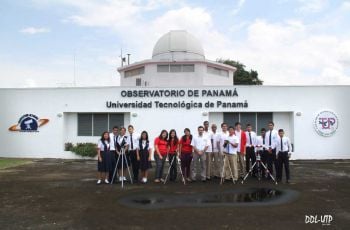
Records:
x=159, y=166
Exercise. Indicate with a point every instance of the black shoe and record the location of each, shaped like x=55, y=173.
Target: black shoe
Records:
x=287, y=181
x=204, y=180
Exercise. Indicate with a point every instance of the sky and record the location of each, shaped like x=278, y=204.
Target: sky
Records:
x=58, y=43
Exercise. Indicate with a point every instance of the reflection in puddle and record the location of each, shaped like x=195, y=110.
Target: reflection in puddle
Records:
x=239, y=197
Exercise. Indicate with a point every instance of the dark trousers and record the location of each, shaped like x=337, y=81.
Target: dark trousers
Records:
x=173, y=167
x=135, y=164
x=282, y=160
x=271, y=161
x=159, y=166
x=263, y=158
x=250, y=155
x=114, y=162
x=186, y=159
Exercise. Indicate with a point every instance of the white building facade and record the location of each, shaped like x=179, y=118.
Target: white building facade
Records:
x=37, y=122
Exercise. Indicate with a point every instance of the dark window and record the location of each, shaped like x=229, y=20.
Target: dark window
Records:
x=116, y=119
x=84, y=124
x=231, y=118
x=263, y=119
x=138, y=81
x=248, y=118
x=100, y=123
x=95, y=124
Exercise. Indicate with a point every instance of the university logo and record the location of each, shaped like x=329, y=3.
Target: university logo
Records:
x=29, y=123
x=326, y=123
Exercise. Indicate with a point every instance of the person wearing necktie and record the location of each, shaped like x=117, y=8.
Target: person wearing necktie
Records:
x=113, y=136
x=260, y=148
x=284, y=149
x=270, y=140
x=133, y=140
x=250, y=149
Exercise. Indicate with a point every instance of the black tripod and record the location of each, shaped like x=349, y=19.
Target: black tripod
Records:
x=258, y=163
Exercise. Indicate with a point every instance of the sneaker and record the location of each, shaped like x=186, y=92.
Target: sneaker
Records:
x=188, y=179
x=156, y=180
x=144, y=180
x=120, y=179
x=162, y=180
x=106, y=181
x=99, y=182
x=124, y=178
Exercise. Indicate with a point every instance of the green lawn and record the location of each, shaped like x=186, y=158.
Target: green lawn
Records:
x=12, y=162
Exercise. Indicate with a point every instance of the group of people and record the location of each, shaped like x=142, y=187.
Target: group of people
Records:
x=209, y=154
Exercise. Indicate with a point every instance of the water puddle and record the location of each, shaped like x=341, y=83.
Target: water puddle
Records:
x=236, y=197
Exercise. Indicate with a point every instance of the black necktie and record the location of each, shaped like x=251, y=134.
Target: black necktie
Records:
x=250, y=139
x=263, y=143
x=281, y=145
x=270, y=138
x=132, y=144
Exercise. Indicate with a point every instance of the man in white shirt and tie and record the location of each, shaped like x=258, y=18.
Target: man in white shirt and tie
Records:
x=200, y=145
x=261, y=149
x=270, y=140
x=133, y=141
x=250, y=149
x=231, y=151
x=113, y=136
x=220, y=143
x=283, y=149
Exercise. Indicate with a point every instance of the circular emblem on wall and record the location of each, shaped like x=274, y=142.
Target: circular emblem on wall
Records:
x=326, y=123
x=28, y=123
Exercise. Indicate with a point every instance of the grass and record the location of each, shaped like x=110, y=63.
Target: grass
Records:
x=12, y=162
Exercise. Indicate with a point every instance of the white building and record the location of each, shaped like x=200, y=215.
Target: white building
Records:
x=177, y=88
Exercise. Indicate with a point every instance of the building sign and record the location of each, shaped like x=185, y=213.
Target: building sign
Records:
x=326, y=123
x=29, y=123
x=186, y=99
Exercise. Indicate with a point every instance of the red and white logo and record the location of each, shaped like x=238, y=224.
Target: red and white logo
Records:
x=326, y=123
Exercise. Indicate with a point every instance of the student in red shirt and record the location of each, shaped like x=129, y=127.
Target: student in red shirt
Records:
x=186, y=153
x=173, y=149
x=160, y=153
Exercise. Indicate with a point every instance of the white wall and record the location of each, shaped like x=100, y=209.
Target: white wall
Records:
x=49, y=102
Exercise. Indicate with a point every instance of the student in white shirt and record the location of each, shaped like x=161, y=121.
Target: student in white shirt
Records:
x=213, y=166
x=104, y=163
x=250, y=149
x=208, y=154
x=113, y=136
x=144, y=155
x=260, y=148
x=230, y=150
x=133, y=141
x=283, y=148
x=200, y=146
x=270, y=140
x=220, y=143
x=122, y=146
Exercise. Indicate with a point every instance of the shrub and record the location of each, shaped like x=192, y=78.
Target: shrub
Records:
x=68, y=146
x=85, y=149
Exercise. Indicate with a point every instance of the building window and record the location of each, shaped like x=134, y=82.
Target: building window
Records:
x=187, y=68
x=134, y=72
x=94, y=124
x=162, y=68
x=217, y=71
x=175, y=68
x=257, y=120
x=138, y=81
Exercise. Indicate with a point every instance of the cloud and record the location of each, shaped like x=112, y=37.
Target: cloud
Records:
x=238, y=7
x=34, y=30
x=312, y=6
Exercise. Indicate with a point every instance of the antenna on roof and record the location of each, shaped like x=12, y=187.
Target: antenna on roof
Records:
x=122, y=59
x=128, y=58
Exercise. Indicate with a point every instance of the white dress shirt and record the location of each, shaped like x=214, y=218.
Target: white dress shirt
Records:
x=135, y=141
x=232, y=140
x=101, y=146
x=286, y=145
x=260, y=145
x=113, y=139
x=253, y=139
x=274, y=138
x=221, y=139
x=200, y=142
x=213, y=138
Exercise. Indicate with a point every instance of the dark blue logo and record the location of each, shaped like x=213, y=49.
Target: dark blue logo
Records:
x=28, y=123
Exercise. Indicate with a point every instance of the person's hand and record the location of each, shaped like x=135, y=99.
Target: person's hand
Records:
x=149, y=159
x=161, y=157
x=138, y=158
x=99, y=158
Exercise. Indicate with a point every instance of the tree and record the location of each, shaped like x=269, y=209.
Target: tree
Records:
x=242, y=76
